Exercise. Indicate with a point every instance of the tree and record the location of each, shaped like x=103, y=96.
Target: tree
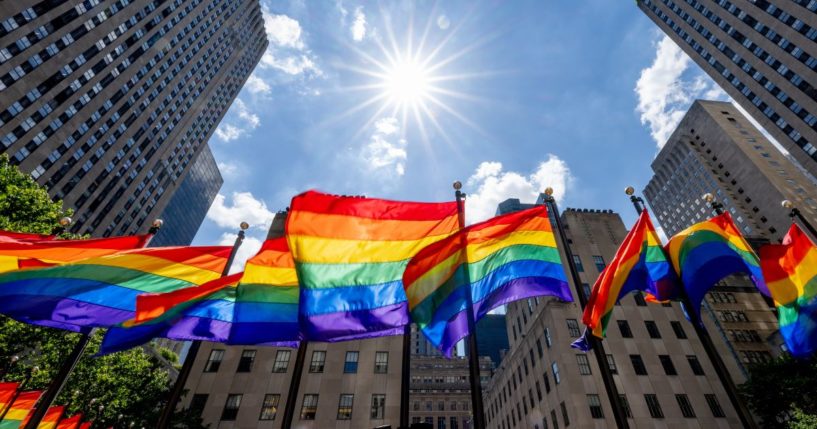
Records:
x=783, y=391
x=133, y=383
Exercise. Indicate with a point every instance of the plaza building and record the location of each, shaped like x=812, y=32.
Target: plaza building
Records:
x=441, y=391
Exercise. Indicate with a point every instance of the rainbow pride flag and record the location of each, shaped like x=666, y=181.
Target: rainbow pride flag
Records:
x=791, y=275
x=706, y=252
x=7, y=391
x=266, y=304
x=350, y=253
x=194, y=313
x=22, y=406
x=51, y=417
x=72, y=422
x=639, y=265
x=18, y=250
x=86, y=425
x=102, y=291
x=507, y=258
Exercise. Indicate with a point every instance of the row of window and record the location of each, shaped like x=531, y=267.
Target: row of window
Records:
x=281, y=363
x=466, y=422
x=309, y=406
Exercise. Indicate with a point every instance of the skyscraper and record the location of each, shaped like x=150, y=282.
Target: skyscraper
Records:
x=492, y=338
x=108, y=102
x=659, y=365
x=762, y=53
x=189, y=205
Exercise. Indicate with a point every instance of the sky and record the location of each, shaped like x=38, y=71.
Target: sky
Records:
x=399, y=99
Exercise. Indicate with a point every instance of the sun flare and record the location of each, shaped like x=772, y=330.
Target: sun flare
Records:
x=407, y=83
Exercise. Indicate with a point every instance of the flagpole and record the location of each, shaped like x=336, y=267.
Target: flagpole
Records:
x=294, y=386
x=56, y=385
x=706, y=340
x=473, y=350
x=404, y=378
x=619, y=415
x=181, y=380
x=17, y=392
x=795, y=214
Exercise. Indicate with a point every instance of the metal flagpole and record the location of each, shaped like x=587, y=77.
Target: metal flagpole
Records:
x=17, y=392
x=598, y=348
x=473, y=352
x=181, y=380
x=795, y=214
x=405, y=378
x=294, y=386
x=56, y=385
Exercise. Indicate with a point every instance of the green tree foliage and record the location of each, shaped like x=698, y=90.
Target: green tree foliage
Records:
x=132, y=384
x=783, y=392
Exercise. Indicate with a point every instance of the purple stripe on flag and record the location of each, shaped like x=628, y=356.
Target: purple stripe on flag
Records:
x=355, y=325
x=61, y=312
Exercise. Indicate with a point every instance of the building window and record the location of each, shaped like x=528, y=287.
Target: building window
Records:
x=231, y=407
x=666, y=362
x=345, y=406
x=281, y=361
x=584, y=364
x=197, y=403
x=555, y=368
x=686, y=407
x=309, y=407
x=547, y=381
x=624, y=327
x=441, y=422
x=654, y=406
x=578, y=262
x=586, y=289
x=564, y=414
x=595, y=406
x=638, y=365
x=678, y=329
x=599, y=262
x=695, y=365
x=350, y=366
x=548, y=340
x=714, y=405
x=639, y=299
x=318, y=361
x=626, y=405
x=573, y=328
x=440, y=406
x=270, y=407
x=652, y=329
x=553, y=417
x=454, y=423
x=247, y=358
x=611, y=362
x=214, y=361
x=378, y=406
x=381, y=362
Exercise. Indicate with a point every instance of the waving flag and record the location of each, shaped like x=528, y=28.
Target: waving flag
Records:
x=72, y=422
x=22, y=406
x=706, y=252
x=639, y=265
x=102, y=291
x=791, y=275
x=504, y=259
x=51, y=417
x=7, y=391
x=18, y=250
x=350, y=253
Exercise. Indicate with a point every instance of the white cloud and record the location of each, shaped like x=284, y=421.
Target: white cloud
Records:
x=283, y=31
x=292, y=64
x=251, y=119
x=244, y=208
x=359, y=25
x=227, y=132
x=239, y=122
x=443, y=22
x=493, y=185
x=386, y=151
x=287, y=51
x=257, y=85
x=664, y=95
x=249, y=247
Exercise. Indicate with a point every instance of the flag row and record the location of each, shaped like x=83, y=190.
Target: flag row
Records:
x=16, y=407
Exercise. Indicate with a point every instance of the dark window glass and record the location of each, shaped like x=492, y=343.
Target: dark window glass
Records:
x=309, y=407
x=350, y=366
x=652, y=329
x=638, y=365
x=624, y=327
x=578, y=262
x=270, y=407
x=611, y=362
x=678, y=329
x=553, y=417
x=695, y=365
x=626, y=405
x=595, y=406
x=318, y=361
x=564, y=414
x=378, y=406
x=666, y=362
x=599, y=262
x=231, y=407
x=197, y=403
x=214, y=361
x=714, y=405
x=685, y=405
x=639, y=299
x=654, y=406
x=247, y=359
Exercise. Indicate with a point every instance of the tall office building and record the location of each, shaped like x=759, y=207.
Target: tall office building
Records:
x=762, y=53
x=108, y=102
x=492, y=338
x=716, y=149
x=189, y=205
x=659, y=365
x=441, y=391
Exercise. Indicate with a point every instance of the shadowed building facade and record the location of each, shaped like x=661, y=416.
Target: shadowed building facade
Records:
x=762, y=53
x=108, y=102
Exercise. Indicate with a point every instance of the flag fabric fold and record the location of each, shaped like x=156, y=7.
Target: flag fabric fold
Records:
x=102, y=291
x=51, y=417
x=790, y=270
x=639, y=265
x=72, y=422
x=507, y=258
x=7, y=391
x=350, y=253
x=20, y=409
x=706, y=252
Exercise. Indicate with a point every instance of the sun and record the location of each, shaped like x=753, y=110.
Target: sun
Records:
x=407, y=84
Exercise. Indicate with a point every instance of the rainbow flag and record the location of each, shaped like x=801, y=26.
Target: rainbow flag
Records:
x=51, y=417
x=639, y=265
x=7, y=391
x=102, y=291
x=791, y=272
x=350, y=253
x=18, y=250
x=194, y=313
x=266, y=305
x=72, y=422
x=20, y=409
x=86, y=425
x=706, y=252
x=507, y=258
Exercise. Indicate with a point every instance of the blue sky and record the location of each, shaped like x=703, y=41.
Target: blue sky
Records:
x=516, y=96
